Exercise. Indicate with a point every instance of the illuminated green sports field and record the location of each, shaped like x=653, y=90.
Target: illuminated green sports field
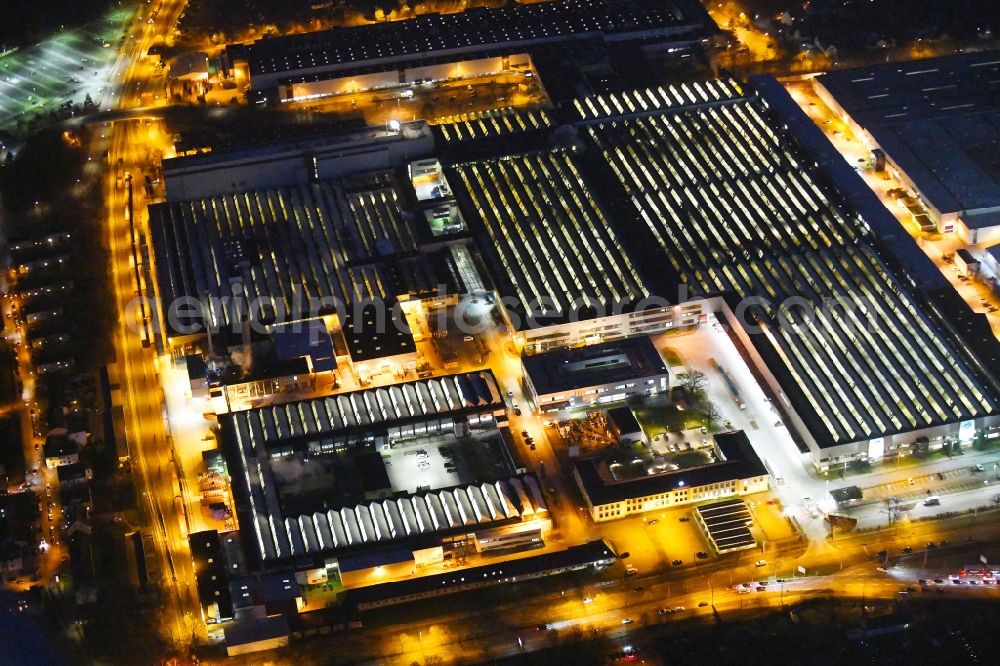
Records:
x=64, y=68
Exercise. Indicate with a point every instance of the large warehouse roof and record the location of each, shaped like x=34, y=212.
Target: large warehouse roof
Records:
x=938, y=119
x=548, y=243
x=366, y=410
x=251, y=437
x=478, y=28
x=470, y=507
x=344, y=242
x=734, y=207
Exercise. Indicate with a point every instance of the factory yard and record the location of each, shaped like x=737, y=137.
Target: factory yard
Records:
x=939, y=247
x=438, y=102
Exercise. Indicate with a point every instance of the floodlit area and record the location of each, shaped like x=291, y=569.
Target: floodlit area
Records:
x=444, y=461
x=66, y=68
x=437, y=102
x=940, y=247
x=754, y=44
x=707, y=350
x=429, y=446
x=192, y=429
x=739, y=183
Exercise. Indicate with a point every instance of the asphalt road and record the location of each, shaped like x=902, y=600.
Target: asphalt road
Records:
x=127, y=143
x=453, y=627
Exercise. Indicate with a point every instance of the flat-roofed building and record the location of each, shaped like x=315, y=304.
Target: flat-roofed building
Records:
x=622, y=420
x=251, y=634
x=560, y=265
x=738, y=471
x=966, y=262
x=593, y=556
x=211, y=576
x=427, y=46
x=990, y=265
x=267, y=594
x=307, y=340
x=292, y=160
x=376, y=566
x=938, y=123
x=595, y=374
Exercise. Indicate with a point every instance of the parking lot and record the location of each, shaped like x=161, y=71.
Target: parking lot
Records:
x=420, y=464
x=668, y=538
x=441, y=462
x=688, y=448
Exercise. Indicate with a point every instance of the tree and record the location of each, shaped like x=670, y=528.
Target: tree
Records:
x=894, y=509
x=711, y=414
x=693, y=383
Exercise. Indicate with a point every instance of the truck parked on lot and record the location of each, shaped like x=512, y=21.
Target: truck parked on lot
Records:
x=735, y=392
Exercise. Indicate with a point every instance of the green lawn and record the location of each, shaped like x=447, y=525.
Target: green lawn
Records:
x=671, y=357
x=655, y=420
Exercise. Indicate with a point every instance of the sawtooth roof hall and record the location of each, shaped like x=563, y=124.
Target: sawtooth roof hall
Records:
x=709, y=184
x=699, y=184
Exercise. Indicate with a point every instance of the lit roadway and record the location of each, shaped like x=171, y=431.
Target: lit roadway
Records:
x=129, y=149
x=464, y=629
x=44, y=482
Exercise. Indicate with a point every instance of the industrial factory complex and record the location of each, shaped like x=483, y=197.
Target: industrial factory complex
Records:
x=383, y=311
x=745, y=219
x=477, y=331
